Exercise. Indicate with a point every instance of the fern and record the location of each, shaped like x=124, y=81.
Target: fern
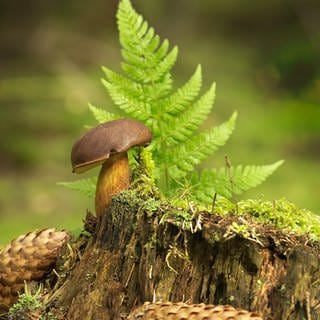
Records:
x=231, y=181
x=182, y=98
x=145, y=92
x=185, y=157
x=85, y=186
x=102, y=115
x=178, y=129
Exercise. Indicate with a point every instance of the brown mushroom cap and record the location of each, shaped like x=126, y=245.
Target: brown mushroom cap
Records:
x=96, y=146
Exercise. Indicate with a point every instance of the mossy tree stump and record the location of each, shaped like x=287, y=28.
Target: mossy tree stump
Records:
x=134, y=256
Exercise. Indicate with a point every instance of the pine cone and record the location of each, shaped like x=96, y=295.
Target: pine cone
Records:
x=183, y=311
x=28, y=258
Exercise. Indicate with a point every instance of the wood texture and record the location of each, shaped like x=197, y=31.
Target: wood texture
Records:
x=133, y=257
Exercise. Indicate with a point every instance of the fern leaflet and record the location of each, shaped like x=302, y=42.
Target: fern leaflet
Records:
x=232, y=181
x=102, y=115
x=182, y=98
x=178, y=129
x=198, y=148
x=86, y=187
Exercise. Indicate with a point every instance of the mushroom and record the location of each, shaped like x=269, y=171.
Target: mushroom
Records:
x=107, y=145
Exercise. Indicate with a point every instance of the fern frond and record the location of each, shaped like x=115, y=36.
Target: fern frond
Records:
x=163, y=67
x=137, y=39
x=162, y=51
x=145, y=93
x=86, y=187
x=134, y=31
x=146, y=61
x=127, y=95
x=137, y=109
x=153, y=72
x=233, y=181
x=185, y=95
x=102, y=115
x=125, y=85
x=179, y=129
x=185, y=157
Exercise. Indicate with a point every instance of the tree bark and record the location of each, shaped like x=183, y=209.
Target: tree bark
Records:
x=135, y=257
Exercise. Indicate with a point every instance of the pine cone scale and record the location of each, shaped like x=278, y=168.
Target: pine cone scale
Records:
x=183, y=311
x=28, y=258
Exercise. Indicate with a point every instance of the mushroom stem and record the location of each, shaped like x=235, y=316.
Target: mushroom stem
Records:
x=113, y=178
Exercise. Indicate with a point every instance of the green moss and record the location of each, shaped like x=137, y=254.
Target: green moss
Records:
x=30, y=304
x=134, y=198
x=48, y=316
x=280, y=213
x=283, y=215
x=242, y=229
x=27, y=302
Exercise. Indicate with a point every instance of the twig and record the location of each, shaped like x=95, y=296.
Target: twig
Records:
x=228, y=167
x=308, y=305
x=214, y=202
x=130, y=275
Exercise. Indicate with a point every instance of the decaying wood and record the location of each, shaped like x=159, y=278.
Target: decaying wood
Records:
x=135, y=257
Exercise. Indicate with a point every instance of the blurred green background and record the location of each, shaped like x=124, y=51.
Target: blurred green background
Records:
x=264, y=56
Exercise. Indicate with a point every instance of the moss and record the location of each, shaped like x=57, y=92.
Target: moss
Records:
x=30, y=305
x=134, y=199
x=281, y=213
x=27, y=303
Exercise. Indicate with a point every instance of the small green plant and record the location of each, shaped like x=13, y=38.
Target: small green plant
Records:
x=242, y=229
x=145, y=92
x=30, y=306
x=281, y=213
x=28, y=302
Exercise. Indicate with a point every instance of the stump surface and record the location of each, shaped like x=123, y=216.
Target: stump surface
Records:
x=135, y=257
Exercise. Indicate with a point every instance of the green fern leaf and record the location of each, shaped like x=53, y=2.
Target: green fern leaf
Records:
x=178, y=129
x=134, y=31
x=102, y=115
x=182, y=98
x=163, y=67
x=162, y=51
x=137, y=109
x=86, y=187
x=233, y=181
x=247, y=177
x=152, y=72
x=146, y=61
x=138, y=40
x=185, y=157
x=127, y=95
x=124, y=85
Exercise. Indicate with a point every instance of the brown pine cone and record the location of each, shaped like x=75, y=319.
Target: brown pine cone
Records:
x=28, y=258
x=184, y=311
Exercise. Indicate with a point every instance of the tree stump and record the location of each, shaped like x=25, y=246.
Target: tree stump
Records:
x=137, y=255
